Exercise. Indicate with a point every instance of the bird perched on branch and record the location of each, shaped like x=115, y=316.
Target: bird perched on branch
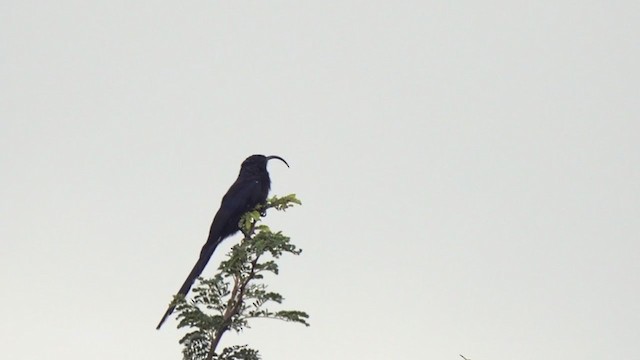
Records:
x=250, y=189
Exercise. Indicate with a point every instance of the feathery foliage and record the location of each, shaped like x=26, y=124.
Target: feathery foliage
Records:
x=236, y=294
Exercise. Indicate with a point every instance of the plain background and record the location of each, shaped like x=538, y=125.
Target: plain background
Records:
x=469, y=173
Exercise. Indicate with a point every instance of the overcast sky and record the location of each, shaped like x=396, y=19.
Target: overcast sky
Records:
x=469, y=171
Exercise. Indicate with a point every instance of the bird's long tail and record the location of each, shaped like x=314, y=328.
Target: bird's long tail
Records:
x=205, y=255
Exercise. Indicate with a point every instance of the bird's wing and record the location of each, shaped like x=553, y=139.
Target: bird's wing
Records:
x=238, y=200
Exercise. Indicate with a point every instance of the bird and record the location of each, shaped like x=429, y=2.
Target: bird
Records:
x=250, y=189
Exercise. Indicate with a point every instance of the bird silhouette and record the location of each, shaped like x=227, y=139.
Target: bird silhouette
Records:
x=250, y=189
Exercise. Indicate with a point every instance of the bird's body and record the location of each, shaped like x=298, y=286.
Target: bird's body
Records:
x=250, y=189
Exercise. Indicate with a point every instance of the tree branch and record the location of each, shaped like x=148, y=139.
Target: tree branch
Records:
x=233, y=306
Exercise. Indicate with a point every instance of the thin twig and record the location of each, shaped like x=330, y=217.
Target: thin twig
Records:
x=226, y=317
x=233, y=305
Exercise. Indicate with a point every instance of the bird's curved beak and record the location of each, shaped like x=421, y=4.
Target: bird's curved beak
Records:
x=277, y=157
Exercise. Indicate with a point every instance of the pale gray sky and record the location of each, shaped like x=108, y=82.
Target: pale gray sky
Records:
x=470, y=173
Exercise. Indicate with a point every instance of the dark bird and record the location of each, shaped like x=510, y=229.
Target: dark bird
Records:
x=250, y=189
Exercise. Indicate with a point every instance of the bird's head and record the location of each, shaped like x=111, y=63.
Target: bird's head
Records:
x=260, y=161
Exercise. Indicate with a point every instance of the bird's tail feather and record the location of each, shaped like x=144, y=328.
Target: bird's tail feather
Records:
x=205, y=255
